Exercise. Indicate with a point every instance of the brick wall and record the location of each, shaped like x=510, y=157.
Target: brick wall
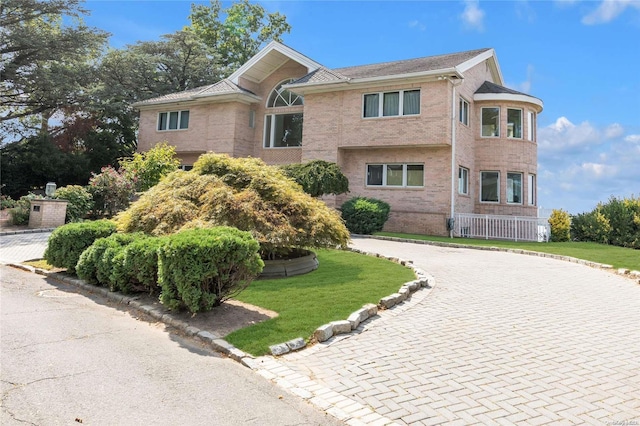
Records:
x=47, y=213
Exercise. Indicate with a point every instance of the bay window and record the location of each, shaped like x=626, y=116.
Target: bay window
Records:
x=491, y=122
x=514, y=188
x=490, y=187
x=531, y=192
x=514, y=123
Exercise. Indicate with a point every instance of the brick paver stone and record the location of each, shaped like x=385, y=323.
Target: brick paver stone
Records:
x=503, y=338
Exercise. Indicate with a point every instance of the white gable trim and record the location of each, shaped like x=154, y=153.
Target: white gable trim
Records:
x=493, y=64
x=309, y=63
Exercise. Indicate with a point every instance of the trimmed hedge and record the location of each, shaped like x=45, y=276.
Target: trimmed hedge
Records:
x=200, y=268
x=96, y=263
x=67, y=242
x=136, y=267
x=365, y=215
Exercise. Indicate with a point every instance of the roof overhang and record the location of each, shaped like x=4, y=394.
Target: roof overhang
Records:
x=508, y=97
x=268, y=60
x=370, y=82
x=196, y=99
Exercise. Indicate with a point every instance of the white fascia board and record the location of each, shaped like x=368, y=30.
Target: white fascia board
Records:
x=285, y=50
x=201, y=99
x=508, y=97
x=371, y=81
x=478, y=59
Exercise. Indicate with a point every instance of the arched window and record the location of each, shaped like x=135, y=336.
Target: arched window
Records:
x=282, y=97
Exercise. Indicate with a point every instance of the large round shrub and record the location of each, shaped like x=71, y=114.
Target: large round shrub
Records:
x=96, y=263
x=243, y=193
x=67, y=242
x=365, y=215
x=201, y=268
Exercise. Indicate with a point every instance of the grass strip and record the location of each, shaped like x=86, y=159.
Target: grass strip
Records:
x=343, y=282
x=618, y=257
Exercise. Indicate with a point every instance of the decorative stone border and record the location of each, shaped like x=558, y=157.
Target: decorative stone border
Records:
x=289, y=267
x=27, y=231
x=621, y=271
x=334, y=328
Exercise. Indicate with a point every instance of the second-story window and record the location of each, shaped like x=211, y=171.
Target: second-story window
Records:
x=514, y=123
x=491, y=122
x=390, y=104
x=173, y=120
x=464, y=111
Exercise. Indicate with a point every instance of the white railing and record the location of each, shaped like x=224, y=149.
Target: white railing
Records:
x=494, y=227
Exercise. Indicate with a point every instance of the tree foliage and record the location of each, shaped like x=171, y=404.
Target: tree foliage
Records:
x=241, y=192
x=560, y=223
x=47, y=55
x=318, y=177
x=146, y=169
x=615, y=222
x=239, y=36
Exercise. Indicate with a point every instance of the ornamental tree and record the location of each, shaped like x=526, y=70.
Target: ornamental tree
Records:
x=243, y=193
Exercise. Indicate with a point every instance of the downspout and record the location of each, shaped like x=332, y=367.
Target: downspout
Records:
x=454, y=84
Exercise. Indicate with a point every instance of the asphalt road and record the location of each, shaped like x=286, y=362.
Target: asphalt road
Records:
x=69, y=358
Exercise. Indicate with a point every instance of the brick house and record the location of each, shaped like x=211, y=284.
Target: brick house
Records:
x=432, y=136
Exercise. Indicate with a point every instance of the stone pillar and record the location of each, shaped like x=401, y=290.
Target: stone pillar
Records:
x=47, y=213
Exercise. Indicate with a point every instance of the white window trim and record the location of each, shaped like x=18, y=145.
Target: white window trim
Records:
x=481, y=121
x=384, y=175
x=531, y=189
x=278, y=88
x=466, y=189
x=531, y=125
x=179, y=120
x=498, y=182
x=521, y=123
x=467, y=115
x=521, y=202
x=400, y=107
x=272, y=135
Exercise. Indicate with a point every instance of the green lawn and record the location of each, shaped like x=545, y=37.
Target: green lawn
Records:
x=619, y=257
x=343, y=282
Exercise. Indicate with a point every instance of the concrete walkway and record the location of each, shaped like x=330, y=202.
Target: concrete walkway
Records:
x=502, y=339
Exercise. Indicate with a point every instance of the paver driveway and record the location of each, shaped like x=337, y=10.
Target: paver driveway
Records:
x=502, y=338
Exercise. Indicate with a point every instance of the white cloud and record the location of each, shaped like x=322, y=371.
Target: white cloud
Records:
x=525, y=11
x=582, y=164
x=524, y=86
x=608, y=10
x=473, y=16
x=613, y=131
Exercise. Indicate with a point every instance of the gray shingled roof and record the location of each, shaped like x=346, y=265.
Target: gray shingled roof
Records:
x=321, y=75
x=408, y=66
x=221, y=87
x=489, y=87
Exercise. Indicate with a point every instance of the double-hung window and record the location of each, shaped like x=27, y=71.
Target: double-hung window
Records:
x=463, y=180
x=464, y=111
x=514, y=123
x=390, y=104
x=395, y=175
x=491, y=122
x=173, y=120
x=514, y=188
x=490, y=187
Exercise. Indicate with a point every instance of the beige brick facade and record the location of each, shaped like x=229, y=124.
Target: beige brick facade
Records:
x=47, y=213
x=334, y=129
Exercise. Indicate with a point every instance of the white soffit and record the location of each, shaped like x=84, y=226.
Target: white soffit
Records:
x=269, y=59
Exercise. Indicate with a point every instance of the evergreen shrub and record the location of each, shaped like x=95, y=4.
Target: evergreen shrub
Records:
x=67, y=242
x=560, y=222
x=365, y=215
x=79, y=201
x=200, y=268
x=135, y=268
x=95, y=264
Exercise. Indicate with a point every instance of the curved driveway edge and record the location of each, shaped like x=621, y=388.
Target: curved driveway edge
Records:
x=502, y=339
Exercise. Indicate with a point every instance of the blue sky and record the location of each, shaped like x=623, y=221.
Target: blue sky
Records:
x=582, y=58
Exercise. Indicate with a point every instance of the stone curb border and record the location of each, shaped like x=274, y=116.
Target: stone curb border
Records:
x=26, y=231
x=635, y=275
x=334, y=328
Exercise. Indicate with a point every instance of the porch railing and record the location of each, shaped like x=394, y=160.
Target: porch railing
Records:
x=496, y=227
